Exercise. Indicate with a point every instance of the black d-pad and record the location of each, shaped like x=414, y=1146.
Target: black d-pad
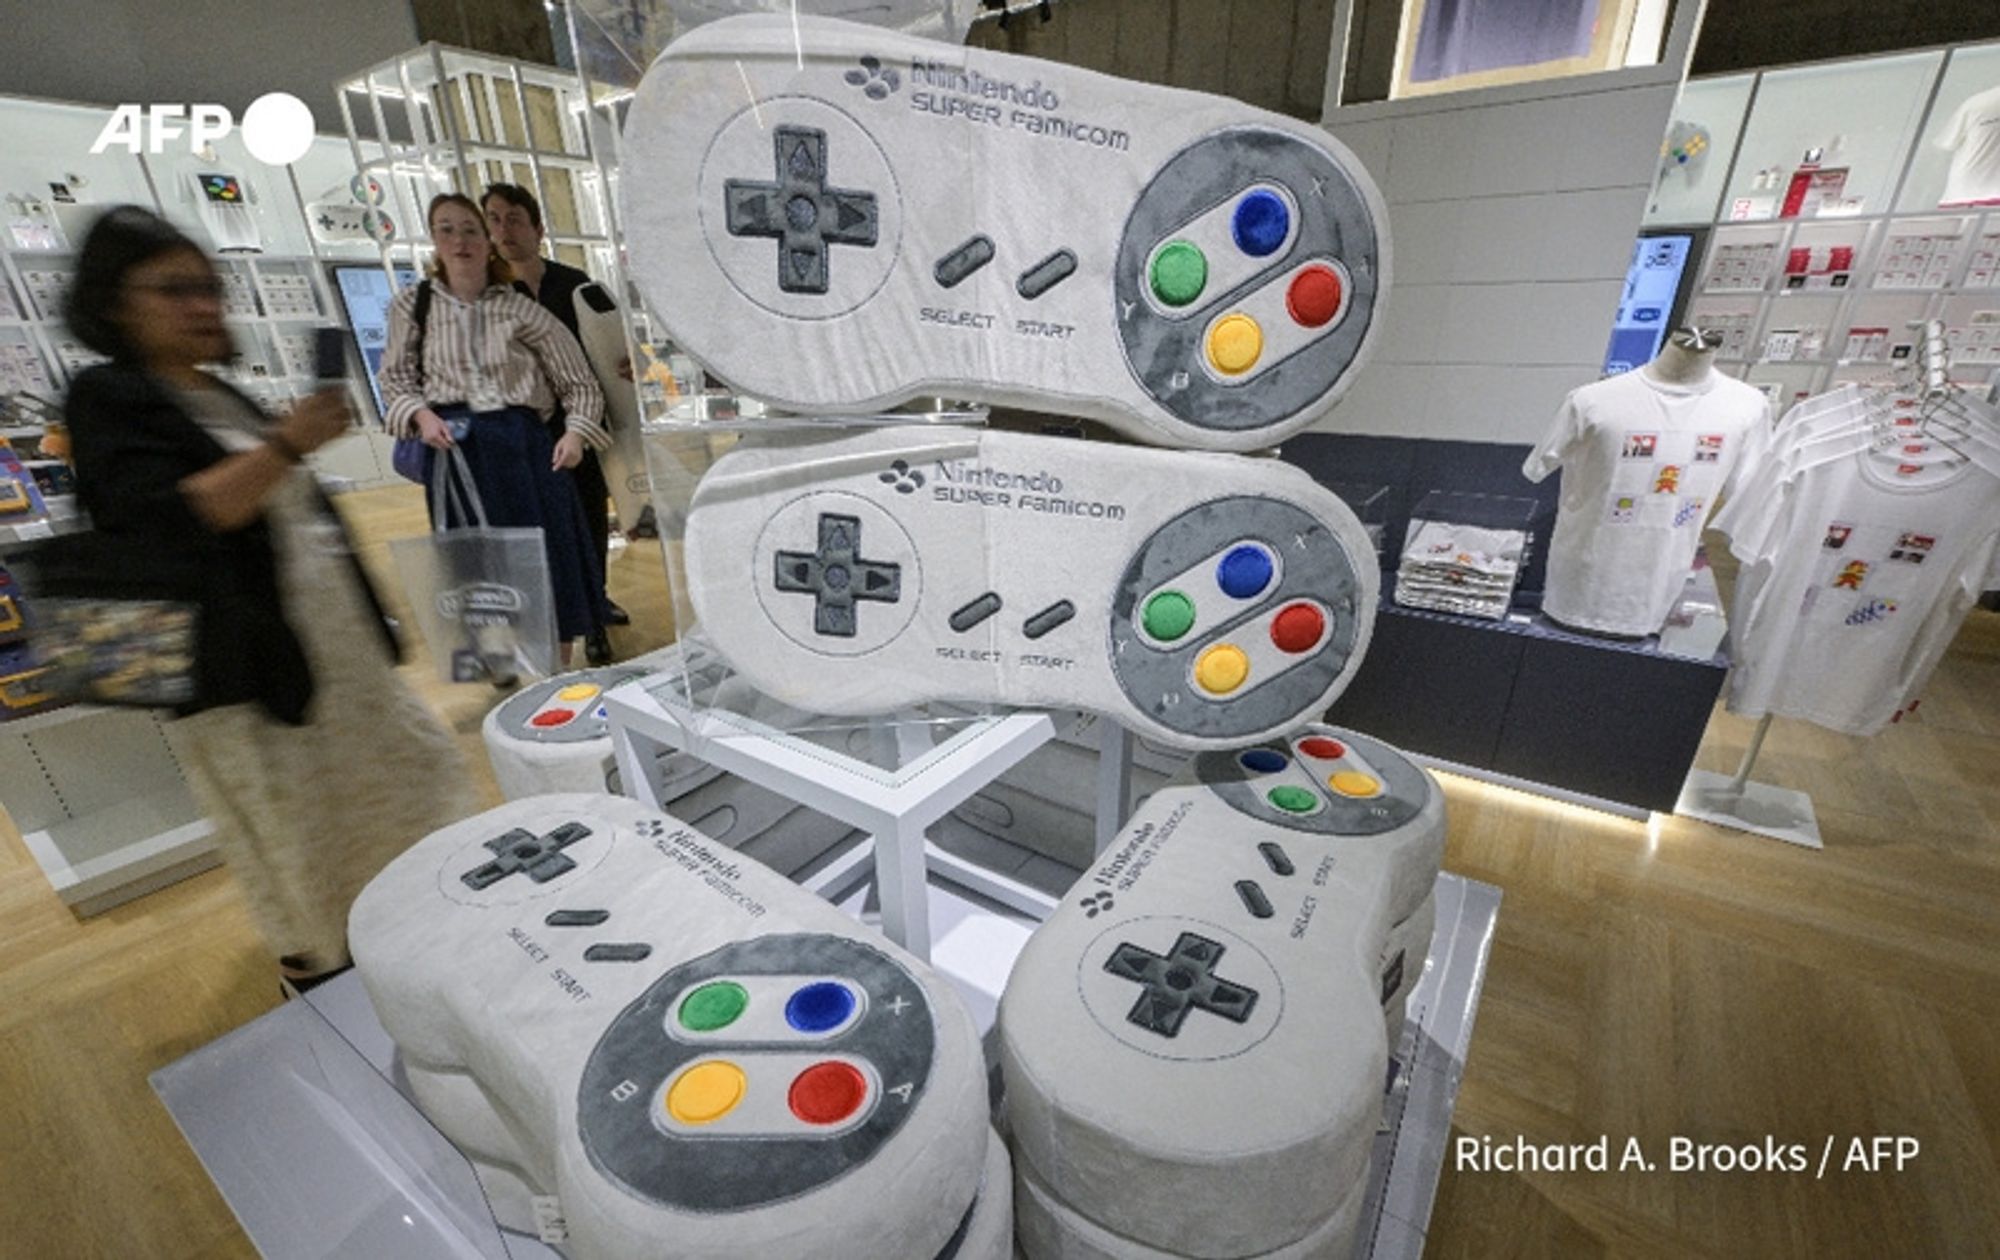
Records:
x=799, y=211
x=1182, y=981
x=837, y=577
x=520, y=852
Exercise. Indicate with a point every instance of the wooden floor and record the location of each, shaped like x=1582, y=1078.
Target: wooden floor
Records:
x=1646, y=982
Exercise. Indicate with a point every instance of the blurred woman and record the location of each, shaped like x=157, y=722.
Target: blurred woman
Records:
x=493, y=366
x=313, y=761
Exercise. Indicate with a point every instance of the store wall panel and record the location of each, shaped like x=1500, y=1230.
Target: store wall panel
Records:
x=108, y=52
x=1553, y=324
x=1513, y=222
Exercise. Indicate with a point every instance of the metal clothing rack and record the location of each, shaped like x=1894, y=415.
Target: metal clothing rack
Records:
x=1764, y=808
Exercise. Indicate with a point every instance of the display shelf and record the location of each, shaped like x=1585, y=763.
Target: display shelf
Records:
x=101, y=804
x=1910, y=258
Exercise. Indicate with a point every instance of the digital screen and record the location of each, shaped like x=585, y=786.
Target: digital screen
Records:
x=1656, y=287
x=365, y=295
x=222, y=188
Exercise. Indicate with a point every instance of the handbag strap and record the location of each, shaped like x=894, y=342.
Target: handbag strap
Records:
x=447, y=467
x=421, y=317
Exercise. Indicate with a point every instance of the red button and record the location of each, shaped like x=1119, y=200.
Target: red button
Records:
x=827, y=1093
x=1323, y=748
x=553, y=717
x=1314, y=296
x=1297, y=628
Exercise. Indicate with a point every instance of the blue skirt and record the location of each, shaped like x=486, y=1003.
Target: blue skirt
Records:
x=509, y=453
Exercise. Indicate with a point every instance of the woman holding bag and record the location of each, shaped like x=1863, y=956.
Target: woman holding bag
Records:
x=301, y=705
x=483, y=373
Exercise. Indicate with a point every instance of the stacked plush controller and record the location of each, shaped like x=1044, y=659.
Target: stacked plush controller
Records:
x=690, y=1054
x=1194, y=1044
x=838, y=219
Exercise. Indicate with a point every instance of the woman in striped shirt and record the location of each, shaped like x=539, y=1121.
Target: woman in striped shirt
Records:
x=484, y=374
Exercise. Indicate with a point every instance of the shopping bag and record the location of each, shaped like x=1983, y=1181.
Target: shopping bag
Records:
x=480, y=594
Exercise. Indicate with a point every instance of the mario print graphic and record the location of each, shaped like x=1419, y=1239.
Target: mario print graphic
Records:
x=1708, y=448
x=1668, y=480
x=1641, y=445
x=1836, y=536
x=1624, y=509
x=1851, y=576
x=1913, y=548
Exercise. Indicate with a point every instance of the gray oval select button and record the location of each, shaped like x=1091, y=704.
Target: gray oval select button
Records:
x=963, y=261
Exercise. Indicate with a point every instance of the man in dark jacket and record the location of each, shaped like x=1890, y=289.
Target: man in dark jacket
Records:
x=514, y=218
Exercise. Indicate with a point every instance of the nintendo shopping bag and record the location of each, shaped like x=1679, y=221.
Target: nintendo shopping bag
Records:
x=479, y=593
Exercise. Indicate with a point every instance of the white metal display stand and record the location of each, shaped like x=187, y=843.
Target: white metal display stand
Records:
x=893, y=807
x=301, y=1120
x=1763, y=809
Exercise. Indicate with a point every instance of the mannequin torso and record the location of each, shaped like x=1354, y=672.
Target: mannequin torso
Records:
x=1685, y=360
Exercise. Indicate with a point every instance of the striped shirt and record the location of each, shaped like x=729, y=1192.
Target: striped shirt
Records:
x=509, y=344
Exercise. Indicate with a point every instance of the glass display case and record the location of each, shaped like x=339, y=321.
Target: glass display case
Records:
x=1829, y=140
x=1699, y=146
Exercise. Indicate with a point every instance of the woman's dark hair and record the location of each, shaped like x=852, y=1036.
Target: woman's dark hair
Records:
x=123, y=237
x=497, y=270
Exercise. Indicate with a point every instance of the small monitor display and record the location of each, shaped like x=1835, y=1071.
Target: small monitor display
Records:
x=1657, y=286
x=365, y=294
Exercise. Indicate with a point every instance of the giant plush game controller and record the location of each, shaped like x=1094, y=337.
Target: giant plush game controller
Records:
x=1203, y=600
x=597, y=1003
x=1193, y=1045
x=834, y=217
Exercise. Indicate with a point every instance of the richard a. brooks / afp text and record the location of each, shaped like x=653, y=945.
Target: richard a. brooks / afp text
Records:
x=1865, y=1153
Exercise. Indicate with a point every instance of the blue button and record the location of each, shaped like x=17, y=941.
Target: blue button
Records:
x=819, y=1007
x=1262, y=761
x=1261, y=221
x=1244, y=572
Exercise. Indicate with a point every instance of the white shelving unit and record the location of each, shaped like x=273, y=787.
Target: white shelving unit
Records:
x=1809, y=301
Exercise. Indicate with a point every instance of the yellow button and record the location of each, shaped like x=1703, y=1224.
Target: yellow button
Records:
x=578, y=691
x=1234, y=344
x=706, y=1092
x=1355, y=783
x=1221, y=669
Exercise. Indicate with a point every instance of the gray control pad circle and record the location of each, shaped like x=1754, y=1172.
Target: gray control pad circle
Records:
x=636, y=1059
x=1180, y=988
x=1316, y=567
x=800, y=208
x=1166, y=353
x=1405, y=788
x=836, y=574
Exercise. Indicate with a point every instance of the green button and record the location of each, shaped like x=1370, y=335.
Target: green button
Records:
x=1168, y=616
x=1293, y=800
x=1180, y=272
x=713, y=1006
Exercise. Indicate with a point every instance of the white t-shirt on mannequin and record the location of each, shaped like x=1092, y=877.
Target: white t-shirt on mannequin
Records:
x=1643, y=464
x=1973, y=136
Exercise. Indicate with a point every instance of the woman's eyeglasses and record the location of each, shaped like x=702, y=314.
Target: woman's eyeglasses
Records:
x=184, y=290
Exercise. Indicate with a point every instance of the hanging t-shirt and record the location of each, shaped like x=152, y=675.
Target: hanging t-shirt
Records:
x=1973, y=136
x=1858, y=573
x=1643, y=464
